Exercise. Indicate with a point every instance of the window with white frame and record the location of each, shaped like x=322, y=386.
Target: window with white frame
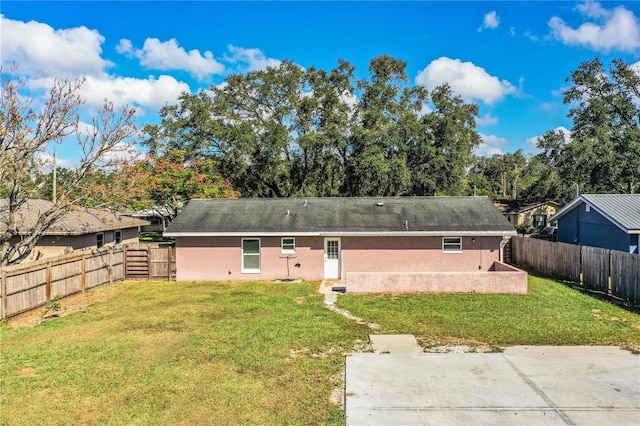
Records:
x=452, y=244
x=117, y=237
x=100, y=239
x=250, y=255
x=288, y=246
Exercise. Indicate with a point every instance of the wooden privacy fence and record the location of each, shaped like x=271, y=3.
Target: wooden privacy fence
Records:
x=151, y=261
x=28, y=286
x=31, y=285
x=610, y=272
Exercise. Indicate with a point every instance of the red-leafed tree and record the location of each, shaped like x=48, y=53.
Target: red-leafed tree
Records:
x=173, y=180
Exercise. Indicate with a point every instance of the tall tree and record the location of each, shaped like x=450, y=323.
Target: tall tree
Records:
x=385, y=118
x=286, y=131
x=173, y=181
x=447, y=150
x=25, y=135
x=603, y=154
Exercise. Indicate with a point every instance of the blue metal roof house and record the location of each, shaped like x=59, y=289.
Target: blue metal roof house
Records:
x=609, y=221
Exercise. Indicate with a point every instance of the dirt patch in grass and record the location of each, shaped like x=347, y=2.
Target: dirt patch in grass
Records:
x=455, y=345
x=69, y=305
x=27, y=372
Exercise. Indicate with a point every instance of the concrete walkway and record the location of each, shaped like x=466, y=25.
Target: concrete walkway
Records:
x=525, y=385
x=330, y=299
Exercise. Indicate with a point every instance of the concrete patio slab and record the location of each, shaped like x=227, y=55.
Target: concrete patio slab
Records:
x=523, y=385
x=395, y=344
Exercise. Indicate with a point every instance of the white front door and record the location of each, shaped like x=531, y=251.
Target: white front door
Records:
x=332, y=258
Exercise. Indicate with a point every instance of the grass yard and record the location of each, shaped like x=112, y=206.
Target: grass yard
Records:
x=550, y=314
x=185, y=353
x=255, y=353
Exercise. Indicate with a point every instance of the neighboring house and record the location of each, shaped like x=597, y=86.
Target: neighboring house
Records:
x=520, y=212
x=80, y=228
x=372, y=243
x=601, y=220
x=158, y=219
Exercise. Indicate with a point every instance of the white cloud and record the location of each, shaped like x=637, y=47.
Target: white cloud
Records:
x=616, y=29
x=490, y=21
x=487, y=120
x=169, y=55
x=39, y=50
x=125, y=47
x=149, y=93
x=252, y=59
x=43, y=55
x=466, y=79
x=491, y=145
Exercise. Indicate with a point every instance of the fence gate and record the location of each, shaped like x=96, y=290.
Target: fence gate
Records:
x=151, y=262
x=137, y=262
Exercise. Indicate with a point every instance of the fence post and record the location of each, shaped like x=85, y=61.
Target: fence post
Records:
x=609, y=273
x=169, y=262
x=83, y=280
x=4, y=294
x=580, y=270
x=110, y=265
x=48, y=287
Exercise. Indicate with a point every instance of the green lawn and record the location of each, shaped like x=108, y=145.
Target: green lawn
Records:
x=254, y=353
x=550, y=314
x=167, y=353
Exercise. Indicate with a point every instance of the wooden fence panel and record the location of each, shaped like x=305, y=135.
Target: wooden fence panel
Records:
x=118, y=265
x=625, y=276
x=29, y=286
x=137, y=262
x=25, y=290
x=97, y=270
x=556, y=259
x=610, y=272
x=595, y=268
x=66, y=277
x=151, y=261
x=162, y=262
x=568, y=261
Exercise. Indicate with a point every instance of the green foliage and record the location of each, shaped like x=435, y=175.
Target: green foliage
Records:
x=286, y=131
x=173, y=180
x=525, y=229
x=603, y=154
x=52, y=305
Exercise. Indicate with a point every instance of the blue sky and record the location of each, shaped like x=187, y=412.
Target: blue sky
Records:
x=509, y=57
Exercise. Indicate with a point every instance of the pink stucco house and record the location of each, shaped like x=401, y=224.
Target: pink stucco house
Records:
x=370, y=244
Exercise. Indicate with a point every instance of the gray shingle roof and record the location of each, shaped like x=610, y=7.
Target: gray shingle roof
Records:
x=78, y=221
x=341, y=216
x=621, y=209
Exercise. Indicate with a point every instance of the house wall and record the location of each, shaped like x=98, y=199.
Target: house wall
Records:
x=590, y=228
x=526, y=217
x=51, y=245
x=417, y=254
x=220, y=258
x=501, y=278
